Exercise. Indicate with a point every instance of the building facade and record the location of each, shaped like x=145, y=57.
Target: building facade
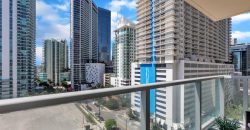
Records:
x=94, y=73
x=104, y=35
x=43, y=77
x=84, y=33
x=123, y=52
x=107, y=79
x=17, y=41
x=55, y=59
x=241, y=58
x=176, y=41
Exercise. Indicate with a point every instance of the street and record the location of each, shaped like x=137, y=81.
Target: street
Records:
x=119, y=116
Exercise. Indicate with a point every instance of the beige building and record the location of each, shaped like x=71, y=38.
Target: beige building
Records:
x=55, y=59
x=178, y=42
x=180, y=32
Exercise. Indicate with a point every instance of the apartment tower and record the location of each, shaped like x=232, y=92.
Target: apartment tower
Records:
x=17, y=43
x=123, y=53
x=240, y=58
x=104, y=35
x=55, y=59
x=84, y=33
x=176, y=41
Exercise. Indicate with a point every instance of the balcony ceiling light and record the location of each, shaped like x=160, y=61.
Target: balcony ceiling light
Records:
x=221, y=9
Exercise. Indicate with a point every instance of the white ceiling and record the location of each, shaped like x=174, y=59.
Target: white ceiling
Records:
x=221, y=9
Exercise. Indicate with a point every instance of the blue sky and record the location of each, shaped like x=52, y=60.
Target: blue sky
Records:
x=53, y=20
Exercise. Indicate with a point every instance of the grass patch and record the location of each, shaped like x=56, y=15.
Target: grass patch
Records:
x=88, y=116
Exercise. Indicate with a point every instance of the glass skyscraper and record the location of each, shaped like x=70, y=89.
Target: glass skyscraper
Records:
x=17, y=47
x=240, y=58
x=104, y=35
x=84, y=33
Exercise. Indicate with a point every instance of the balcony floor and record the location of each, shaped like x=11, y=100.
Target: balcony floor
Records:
x=60, y=117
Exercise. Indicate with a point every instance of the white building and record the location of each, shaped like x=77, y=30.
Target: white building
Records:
x=119, y=82
x=177, y=105
x=94, y=73
x=175, y=41
x=107, y=78
x=123, y=53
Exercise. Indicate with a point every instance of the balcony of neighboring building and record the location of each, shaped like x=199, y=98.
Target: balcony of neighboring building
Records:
x=199, y=102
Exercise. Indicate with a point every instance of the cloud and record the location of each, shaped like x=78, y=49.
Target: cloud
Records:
x=241, y=35
x=39, y=55
x=64, y=7
x=117, y=5
x=241, y=18
x=58, y=31
x=53, y=21
x=115, y=18
x=46, y=12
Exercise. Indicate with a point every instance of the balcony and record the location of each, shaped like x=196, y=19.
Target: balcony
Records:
x=190, y=104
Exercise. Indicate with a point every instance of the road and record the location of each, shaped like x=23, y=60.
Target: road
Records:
x=119, y=116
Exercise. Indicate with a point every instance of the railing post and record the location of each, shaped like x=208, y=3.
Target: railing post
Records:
x=245, y=98
x=198, y=105
x=145, y=110
x=220, y=93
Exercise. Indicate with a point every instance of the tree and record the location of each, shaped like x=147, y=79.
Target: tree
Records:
x=124, y=101
x=130, y=114
x=99, y=85
x=156, y=127
x=65, y=84
x=109, y=86
x=38, y=80
x=44, y=84
x=112, y=104
x=227, y=124
x=110, y=124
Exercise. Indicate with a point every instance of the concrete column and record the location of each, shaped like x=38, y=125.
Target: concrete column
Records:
x=198, y=105
x=145, y=110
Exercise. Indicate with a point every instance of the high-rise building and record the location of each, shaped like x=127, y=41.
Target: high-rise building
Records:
x=234, y=41
x=17, y=41
x=240, y=58
x=104, y=35
x=55, y=59
x=176, y=41
x=84, y=33
x=123, y=52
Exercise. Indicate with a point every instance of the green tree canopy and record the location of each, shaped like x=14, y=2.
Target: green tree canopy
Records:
x=112, y=104
x=110, y=124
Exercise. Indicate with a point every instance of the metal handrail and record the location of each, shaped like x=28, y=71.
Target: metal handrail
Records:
x=24, y=103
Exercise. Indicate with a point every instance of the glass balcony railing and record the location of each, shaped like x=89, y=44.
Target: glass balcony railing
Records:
x=189, y=104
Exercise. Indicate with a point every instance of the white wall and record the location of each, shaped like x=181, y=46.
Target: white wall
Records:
x=94, y=72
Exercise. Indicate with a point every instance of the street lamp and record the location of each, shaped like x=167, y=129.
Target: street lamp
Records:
x=126, y=118
x=126, y=124
x=99, y=105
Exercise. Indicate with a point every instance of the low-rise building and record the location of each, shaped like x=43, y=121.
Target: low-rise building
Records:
x=65, y=76
x=43, y=77
x=94, y=73
x=107, y=79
